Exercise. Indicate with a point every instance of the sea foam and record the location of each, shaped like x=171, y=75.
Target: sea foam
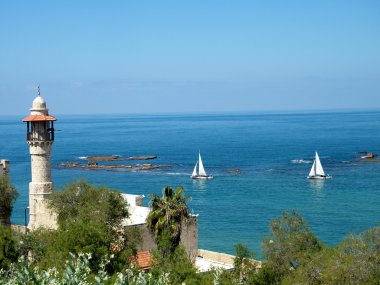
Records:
x=300, y=161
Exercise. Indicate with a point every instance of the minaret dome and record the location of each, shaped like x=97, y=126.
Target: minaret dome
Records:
x=39, y=106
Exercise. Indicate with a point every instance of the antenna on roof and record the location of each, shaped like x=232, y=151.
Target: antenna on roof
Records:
x=38, y=90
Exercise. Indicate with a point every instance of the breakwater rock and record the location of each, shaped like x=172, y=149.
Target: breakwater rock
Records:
x=368, y=157
x=94, y=163
x=93, y=159
x=122, y=166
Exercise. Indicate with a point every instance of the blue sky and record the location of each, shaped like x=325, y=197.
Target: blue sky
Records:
x=189, y=56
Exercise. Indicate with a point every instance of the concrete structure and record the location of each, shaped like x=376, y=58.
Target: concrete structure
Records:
x=40, y=137
x=139, y=213
x=4, y=168
x=207, y=260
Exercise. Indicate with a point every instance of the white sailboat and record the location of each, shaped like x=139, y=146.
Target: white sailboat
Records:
x=316, y=171
x=201, y=171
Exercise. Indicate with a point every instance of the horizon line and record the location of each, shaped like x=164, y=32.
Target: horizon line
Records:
x=222, y=112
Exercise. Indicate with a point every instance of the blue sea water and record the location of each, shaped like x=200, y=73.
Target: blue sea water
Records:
x=273, y=152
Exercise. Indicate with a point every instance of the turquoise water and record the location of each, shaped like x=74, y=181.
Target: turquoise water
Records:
x=267, y=148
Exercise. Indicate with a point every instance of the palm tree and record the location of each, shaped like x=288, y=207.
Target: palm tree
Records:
x=168, y=214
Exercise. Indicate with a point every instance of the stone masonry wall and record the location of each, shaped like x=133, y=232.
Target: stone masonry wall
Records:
x=40, y=153
x=41, y=186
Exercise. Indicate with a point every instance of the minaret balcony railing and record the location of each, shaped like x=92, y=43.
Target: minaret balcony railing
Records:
x=44, y=136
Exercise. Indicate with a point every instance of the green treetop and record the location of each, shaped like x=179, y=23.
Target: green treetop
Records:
x=8, y=195
x=89, y=221
x=166, y=218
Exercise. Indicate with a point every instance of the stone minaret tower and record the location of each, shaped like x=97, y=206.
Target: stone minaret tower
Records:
x=40, y=137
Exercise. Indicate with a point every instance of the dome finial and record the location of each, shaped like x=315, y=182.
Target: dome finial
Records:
x=39, y=104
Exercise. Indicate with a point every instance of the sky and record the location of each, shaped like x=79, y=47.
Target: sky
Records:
x=106, y=57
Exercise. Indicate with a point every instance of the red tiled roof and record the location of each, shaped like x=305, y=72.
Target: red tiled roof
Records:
x=39, y=118
x=143, y=259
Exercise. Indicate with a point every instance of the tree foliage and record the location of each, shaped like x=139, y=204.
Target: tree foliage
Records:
x=81, y=200
x=166, y=218
x=8, y=195
x=289, y=244
x=356, y=260
x=8, y=247
x=178, y=264
x=244, y=271
x=89, y=221
x=244, y=264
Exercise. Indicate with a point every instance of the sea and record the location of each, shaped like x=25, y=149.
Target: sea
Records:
x=259, y=161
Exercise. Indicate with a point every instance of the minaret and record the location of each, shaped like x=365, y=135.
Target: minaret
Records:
x=40, y=137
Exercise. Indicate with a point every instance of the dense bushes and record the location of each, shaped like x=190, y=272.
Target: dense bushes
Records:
x=8, y=195
x=77, y=270
x=89, y=221
x=82, y=249
x=294, y=255
x=8, y=247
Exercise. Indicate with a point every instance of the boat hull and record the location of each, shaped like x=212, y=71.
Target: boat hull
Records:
x=319, y=177
x=201, y=177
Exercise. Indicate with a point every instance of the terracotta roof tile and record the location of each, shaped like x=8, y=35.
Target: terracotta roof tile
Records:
x=143, y=259
x=39, y=118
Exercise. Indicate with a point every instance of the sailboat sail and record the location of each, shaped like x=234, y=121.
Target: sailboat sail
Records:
x=312, y=170
x=318, y=166
x=195, y=170
x=202, y=171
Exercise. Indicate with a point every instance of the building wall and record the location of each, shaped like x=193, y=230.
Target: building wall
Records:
x=189, y=238
x=39, y=213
